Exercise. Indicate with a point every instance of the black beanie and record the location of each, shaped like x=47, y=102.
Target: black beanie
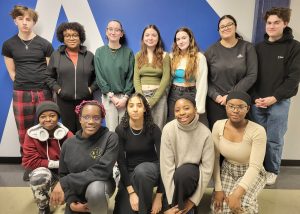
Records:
x=187, y=97
x=239, y=95
x=47, y=106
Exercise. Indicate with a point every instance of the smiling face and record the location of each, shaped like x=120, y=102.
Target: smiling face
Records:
x=184, y=111
x=227, y=28
x=275, y=27
x=24, y=23
x=182, y=40
x=48, y=120
x=150, y=38
x=71, y=39
x=236, y=110
x=135, y=108
x=114, y=31
x=90, y=120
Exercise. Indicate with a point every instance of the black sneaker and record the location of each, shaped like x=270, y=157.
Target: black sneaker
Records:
x=46, y=210
x=26, y=175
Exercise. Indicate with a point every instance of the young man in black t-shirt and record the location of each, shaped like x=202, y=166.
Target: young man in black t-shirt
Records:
x=26, y=56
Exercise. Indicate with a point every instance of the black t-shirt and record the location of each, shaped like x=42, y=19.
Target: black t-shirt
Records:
x=30, y=64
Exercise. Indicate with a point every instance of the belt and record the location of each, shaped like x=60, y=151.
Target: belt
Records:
x=181, y=88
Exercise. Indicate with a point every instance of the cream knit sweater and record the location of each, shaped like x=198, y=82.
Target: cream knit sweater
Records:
x=181, y=144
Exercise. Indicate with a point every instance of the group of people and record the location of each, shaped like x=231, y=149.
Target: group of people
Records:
x=169, y=120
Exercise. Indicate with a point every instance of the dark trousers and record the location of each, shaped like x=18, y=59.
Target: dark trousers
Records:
x=68, y=116
x=186, y=181
x=214, y=111
x=144, y=178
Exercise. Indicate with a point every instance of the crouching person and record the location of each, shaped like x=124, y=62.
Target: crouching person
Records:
x=86, y=164
x=186, y=157
x=41, y=149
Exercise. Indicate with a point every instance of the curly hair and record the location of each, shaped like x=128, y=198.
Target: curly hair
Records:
x=192, y=54
x=282, y=12
x=20, y=10
x=78, y=108
x=238, y=36
x=148, y=120
x=75, y=26
x=142, y=58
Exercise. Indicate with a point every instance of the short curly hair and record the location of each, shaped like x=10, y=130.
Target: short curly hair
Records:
x=70, y=26
x=282, y=12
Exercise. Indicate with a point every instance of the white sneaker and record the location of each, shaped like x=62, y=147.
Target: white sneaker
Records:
x=271, y=178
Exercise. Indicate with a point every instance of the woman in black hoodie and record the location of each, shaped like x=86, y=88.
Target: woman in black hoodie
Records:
x=70, y=73
x=86, y=163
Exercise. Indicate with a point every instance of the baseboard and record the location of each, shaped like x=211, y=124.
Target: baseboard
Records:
x=290, y=163
x=11, y=160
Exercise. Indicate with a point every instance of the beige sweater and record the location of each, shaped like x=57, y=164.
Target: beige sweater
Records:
x=186, y=144
x=251, y=150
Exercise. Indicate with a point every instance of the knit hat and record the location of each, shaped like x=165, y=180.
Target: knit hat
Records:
x=187, y=97
x=47, y=106
x=239, y=95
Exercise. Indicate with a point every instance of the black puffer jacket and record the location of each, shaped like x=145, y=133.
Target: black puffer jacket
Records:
x=73, y=81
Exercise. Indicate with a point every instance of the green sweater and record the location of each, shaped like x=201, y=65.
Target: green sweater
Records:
x=114, y=71
x=148, y=75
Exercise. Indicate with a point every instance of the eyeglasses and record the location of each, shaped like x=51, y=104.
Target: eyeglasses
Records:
x=229, y=25
x=87, y=118
x=238, y=108
x=69, y=36
x=116, y=30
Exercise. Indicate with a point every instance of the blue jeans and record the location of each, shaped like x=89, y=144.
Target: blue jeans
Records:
x=274, y=119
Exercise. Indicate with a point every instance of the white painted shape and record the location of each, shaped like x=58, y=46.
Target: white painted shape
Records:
x=10, y=146
x=86, y=18
x=242, y=11
x=291, y=149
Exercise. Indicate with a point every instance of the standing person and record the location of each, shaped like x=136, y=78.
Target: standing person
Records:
x=242, y=143
x=186, y=156
x=26, y=56
x=71, y=73
x=189, y=72
x=139, y=143
x=232, y=65
x=114, y=65
x=41, y=149
x=86, y=163
x=278, y=80
x=152, y=73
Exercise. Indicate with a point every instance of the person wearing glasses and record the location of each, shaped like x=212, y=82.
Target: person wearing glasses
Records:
x=242, y=143
x=189, y=72
x=139, y=143
x=71, y=73
x=114, y=65
x=86, y=163
x=232, y=65
x=152, y=73
x=26, y=56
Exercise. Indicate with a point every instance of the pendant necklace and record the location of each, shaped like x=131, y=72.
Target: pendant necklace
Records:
x=26, y=45
x=136, y=134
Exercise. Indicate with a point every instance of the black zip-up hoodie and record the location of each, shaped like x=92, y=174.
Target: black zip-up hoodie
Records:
x=278, y=67
x=85, y=160
x=73, y=81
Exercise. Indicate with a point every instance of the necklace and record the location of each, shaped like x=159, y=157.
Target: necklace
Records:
x=136, y=134
x=26, y=45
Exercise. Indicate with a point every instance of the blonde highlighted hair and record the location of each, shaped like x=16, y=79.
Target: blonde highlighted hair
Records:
x=20, y=10
x=142, y=58
x=191, y=54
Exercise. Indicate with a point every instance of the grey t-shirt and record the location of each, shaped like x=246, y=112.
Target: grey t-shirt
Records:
x=230, y=68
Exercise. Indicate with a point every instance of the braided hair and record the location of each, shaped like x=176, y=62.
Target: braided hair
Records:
x=148, y=120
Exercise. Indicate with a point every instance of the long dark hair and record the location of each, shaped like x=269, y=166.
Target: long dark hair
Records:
x=148, y=120
x=238, y=36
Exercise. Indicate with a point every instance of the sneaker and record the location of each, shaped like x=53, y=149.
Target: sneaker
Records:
x=45, y=210
x=271, y=178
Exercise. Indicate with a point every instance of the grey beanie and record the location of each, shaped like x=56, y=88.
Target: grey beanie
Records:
x=47, y=106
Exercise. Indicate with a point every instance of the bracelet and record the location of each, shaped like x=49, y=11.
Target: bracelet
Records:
x=131, y=192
